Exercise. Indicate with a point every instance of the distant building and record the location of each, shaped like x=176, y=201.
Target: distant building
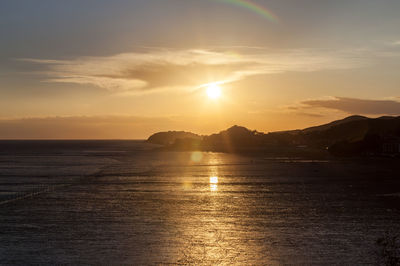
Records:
x=391, y=145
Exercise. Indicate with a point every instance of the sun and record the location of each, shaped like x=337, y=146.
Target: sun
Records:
x=213, y=91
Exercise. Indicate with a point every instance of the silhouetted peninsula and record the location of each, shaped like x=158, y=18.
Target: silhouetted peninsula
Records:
x=351, y=136
x=168, y=138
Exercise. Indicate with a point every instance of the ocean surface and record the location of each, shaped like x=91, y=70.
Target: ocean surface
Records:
x=123, y=202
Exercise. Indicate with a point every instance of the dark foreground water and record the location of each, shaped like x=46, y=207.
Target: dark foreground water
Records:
x=119, y=202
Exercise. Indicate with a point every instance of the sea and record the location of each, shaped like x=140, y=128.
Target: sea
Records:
x=127, y=202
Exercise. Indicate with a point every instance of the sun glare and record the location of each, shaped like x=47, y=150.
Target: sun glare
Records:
x=213, y=183
x=214, y=180
x=213, y=91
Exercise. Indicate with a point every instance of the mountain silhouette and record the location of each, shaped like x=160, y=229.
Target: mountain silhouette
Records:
x=353, y=135
x=335, y=123
x=168, y=138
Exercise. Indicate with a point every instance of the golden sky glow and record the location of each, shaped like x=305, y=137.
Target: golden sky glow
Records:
x=202, y=66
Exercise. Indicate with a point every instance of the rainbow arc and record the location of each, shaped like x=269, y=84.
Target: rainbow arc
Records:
x=256, y=8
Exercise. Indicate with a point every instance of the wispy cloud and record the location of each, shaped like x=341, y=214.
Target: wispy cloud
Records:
x=84, y=127
x=354, y=106
x=105, y=126
x=161, y=68
x=397, y=42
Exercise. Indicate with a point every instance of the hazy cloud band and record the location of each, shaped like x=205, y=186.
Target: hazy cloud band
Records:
x=161, y=68
x=357, y=106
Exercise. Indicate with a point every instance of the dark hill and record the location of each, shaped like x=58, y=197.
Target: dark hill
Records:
x=234, y=139
x=351, y=130
x=354, y=135
x=168, y=138
x=335, y=123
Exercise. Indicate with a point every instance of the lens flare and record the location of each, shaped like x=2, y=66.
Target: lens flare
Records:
x=196, y=156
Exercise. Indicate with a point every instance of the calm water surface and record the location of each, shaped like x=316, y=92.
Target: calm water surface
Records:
x=120, y=202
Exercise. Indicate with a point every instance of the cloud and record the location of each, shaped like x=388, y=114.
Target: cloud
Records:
x=84, y=127
x=309, y=114
x=355, y=106
x=104, y=127
x=161, y=68
x=395, y=43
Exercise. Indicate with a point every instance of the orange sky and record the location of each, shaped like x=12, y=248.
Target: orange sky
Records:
x=127, y=69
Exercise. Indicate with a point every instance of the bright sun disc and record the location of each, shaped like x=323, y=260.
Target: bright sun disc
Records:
x=213, y=91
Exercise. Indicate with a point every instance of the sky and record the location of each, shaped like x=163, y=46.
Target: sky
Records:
x=96, y=69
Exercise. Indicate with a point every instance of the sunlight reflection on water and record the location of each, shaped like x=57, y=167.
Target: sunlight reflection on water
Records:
x=214, y=183
x=214, y=179
x=191, y=208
